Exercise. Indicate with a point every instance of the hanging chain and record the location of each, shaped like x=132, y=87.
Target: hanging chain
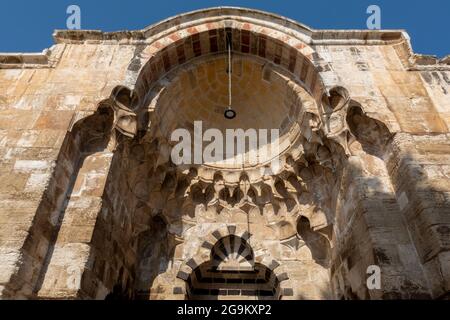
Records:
x=229, y=74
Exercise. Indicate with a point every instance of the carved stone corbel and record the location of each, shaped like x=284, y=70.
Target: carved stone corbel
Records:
x=335, y=107
x=125, y=119
x=310, y=128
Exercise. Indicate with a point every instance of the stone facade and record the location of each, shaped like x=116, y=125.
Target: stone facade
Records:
x=91, y=206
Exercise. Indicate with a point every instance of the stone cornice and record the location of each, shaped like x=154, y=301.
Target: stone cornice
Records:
x=317, y=37
x=156, y=31
x=19, y=60
x=46, y=59
x=422, y=62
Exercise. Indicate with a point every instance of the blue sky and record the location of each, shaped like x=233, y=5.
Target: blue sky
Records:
x=27, y=26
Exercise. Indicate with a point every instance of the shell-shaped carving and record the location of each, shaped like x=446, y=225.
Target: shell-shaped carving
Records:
x=232, y=253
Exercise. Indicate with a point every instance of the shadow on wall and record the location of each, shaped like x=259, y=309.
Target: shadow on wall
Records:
x=152, y=259
x=317, y=243
x=87, y=137
x=398, y=219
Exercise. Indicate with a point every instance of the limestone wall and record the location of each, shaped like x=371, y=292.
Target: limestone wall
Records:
x=71, y=226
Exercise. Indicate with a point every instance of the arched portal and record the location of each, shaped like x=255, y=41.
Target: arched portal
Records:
x=231, y=273
x=112, y=215
x=153, y=213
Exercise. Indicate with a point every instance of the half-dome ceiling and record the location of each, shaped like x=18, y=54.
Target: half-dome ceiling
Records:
x=261, y=95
